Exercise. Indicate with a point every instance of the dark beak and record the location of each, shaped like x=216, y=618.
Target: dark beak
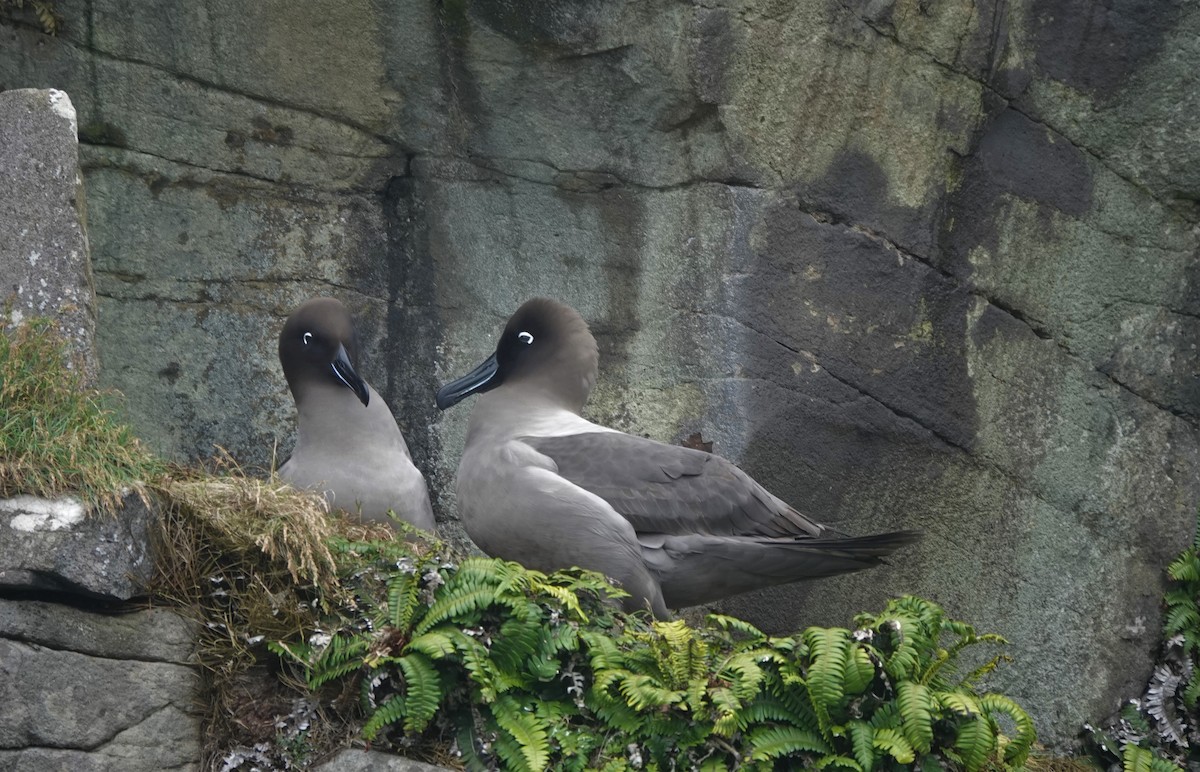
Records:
x=346, y=374
x=478, y=380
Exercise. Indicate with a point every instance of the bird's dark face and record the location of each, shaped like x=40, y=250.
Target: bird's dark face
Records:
x=543, y=339
x=317, y=345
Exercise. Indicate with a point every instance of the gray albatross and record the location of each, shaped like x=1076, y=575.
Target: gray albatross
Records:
x=348, y=446
x=675, y=527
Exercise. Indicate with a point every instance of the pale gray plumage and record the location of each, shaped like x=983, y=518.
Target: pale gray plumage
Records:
x=676, y=527
x=348, y=444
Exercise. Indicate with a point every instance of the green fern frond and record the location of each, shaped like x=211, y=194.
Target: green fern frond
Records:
x=775, y=742
x=1017, y=750
x=403, y=599
x=455, y=606
x=526, y=728
x=641, y=692
x=917, y=706
x=423, y=691
x=1137, y=759
x=517, y=640
x=836, y=762
x=860, y=670
x=733, y=624
x=974, y=743
x=829, y=649
x=388, y=713
x=895, y=744
x=1186, y=567
x=862, y=740
x=961, y=702
x=436, y=644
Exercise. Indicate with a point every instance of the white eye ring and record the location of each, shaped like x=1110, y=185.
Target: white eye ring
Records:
x=525, y=338
x=307, y=337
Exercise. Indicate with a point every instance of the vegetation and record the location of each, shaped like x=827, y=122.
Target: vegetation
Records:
x=57, y=436
x=480, y=662
x=1161, y=731
x=526, y=671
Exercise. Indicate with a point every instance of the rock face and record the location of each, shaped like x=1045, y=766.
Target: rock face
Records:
x=911, y=264
x=43, y=241
x=52, y=546
x=82, y=688
x=95, y=693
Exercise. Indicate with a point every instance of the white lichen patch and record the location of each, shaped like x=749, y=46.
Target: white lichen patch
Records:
x=60, y=103
x=33, y=514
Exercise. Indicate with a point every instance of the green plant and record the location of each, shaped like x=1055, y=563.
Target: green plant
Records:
x=58, y=435
x=1161, y=730
x=534, y=671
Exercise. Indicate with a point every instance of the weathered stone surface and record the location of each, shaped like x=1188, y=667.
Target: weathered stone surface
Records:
x=912, y=264
x=153, y=635
x=43, y=241
x=51, y=545
x=96, y=692
x=353, y=760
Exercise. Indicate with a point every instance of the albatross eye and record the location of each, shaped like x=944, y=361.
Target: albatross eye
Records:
x=307, y=337
x=525, y=338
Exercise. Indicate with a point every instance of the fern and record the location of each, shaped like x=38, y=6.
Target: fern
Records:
x=390, y=712
x=917, y=705
x=776, y=741
x=531, y=671
x=827, y=670
x=974, y=743
x=423, y=691
x=895, y=744
x=527, y=729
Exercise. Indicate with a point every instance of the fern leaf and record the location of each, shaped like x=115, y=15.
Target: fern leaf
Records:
x=1186, y=567
x=403, y=599
x=1018, y=748
x=780, y=741
x=423, y=691
x=836, y=762
x=862, y=739
x=526, y=728
x=960, y=702
x=917, y=706
x=860, y=670
x=437, y=644
x=735, y=625
x=829, y=648
x=516, y=642
x=895, y=744
x=392, y=710
x=974, y=743
x=1137, y=759
x=455, y=606
x=641, y=692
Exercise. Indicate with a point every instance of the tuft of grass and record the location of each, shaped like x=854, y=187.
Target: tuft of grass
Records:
x=248, y=560
x=59, y=436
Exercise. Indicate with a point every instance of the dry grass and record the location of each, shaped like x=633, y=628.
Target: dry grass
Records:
x=249, y=560
x=57, y=435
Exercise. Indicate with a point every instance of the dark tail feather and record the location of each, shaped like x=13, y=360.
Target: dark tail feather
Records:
x=698, y=569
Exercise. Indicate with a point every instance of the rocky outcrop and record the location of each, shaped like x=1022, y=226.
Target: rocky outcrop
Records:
x=53, y=546
x=89, y=691
x=43, y=239
x=86, y=683
x=912, y=264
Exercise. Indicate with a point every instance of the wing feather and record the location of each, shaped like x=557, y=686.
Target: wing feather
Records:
x=671, y=489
